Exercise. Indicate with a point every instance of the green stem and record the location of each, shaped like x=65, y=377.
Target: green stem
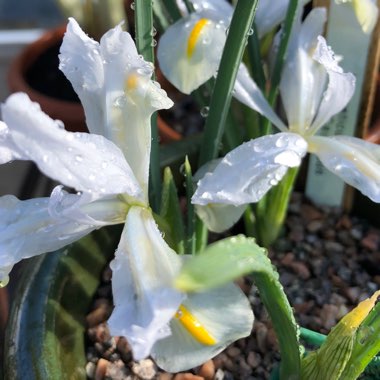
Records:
x=229, y=65
x=271, y=211
x=283, y=324
x=312, y=337
x=145, y=43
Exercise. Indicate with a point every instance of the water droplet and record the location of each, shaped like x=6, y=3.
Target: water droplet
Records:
x=78, y=158
x=45, y=158
x=250, y=32
x=204, y=111
x=104, y=164
x=92, y=177
x=115, y=265
x=154, y=43
x=153, y=32
x=59, y=124
x=133, y=5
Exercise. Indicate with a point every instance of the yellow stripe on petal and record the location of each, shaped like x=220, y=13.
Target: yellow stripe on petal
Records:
x=354, y=319
x=194, y=327
x=194, y=36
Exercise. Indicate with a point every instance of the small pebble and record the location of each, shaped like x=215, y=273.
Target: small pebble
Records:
x=207, y=370
x=101, y=369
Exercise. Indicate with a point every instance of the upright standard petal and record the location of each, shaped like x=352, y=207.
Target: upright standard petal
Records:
x=81, y=62
x=86, y=162
x=340, y=88
x=143, y=271
x=190, y=50
x=114, y=85
x=181, y=350
x=27, y=229
x=303, y=79
x=247, y=92
x=356, y=161
x=246, y=173
x=131, y=98
x=269, y=15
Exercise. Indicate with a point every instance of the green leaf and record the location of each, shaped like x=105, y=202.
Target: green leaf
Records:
x=145, y=43
x=171, y=213
x=221, y=98
x=190, y=225
x=233, y=257
x=45, y=338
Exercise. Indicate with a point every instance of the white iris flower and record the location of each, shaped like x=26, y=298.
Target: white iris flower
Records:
x=109, y=170
x=189, y=52
x=366, y=12
x=313, y=89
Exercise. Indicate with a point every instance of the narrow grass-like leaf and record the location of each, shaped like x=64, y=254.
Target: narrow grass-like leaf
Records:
x=271, y=210
x=233, y=257
x=171, y=212
x=172, y=9
x=221, y=98
x=145, y=43
x=190, y=225
x=160, y=16
x=275, y=79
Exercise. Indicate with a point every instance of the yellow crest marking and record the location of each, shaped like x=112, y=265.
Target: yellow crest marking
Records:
x=193, y=326
x=194, y=36
x=132, y=81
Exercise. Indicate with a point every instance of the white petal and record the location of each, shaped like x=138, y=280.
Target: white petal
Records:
x=270, y=14
x=81, y=62
x=219, y=217
x=356, y=161
x=303, y=79
x=131, y=98
x=82, y=209
x=249, y=171
x=222, y=8
x=8, y=150
x=143, y=271
x=190, y=50
x=366, y=12
x=248, y=93
x=341, y=86
x=224, y=312
x=86, y=162
x=27, y=229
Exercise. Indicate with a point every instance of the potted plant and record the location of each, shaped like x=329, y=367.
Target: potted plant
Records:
x=165, y=305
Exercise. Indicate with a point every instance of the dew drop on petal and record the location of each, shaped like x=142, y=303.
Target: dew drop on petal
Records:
x=115, y=264
x=78, y=158
x=204, y=111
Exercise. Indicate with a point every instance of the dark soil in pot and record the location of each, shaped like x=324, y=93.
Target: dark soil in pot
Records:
x=328, y=261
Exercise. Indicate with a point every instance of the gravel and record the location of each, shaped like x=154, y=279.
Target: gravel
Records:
x=328, y=261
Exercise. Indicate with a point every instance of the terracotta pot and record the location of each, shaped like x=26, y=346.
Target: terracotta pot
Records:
x=70, y=112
